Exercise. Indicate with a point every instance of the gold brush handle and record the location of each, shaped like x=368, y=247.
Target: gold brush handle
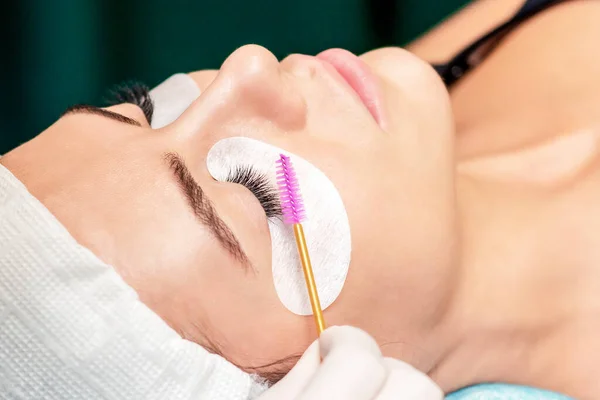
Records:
x=313, y=294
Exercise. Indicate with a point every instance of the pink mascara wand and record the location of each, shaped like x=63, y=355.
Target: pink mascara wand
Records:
x=292, y=208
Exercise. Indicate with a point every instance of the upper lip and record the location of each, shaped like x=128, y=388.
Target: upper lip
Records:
x=358, y=76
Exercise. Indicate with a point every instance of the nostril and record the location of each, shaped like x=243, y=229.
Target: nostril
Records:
x=303, y=66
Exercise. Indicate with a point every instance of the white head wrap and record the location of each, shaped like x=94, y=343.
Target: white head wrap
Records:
x=70, y=328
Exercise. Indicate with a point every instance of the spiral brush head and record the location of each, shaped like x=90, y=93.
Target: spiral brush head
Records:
x=292, y=206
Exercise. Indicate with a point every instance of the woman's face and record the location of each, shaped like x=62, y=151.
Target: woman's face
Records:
x=387, y=145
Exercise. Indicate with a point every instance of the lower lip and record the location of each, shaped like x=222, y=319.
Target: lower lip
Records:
x=358, y=75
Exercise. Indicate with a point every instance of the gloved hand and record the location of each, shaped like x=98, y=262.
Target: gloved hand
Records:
x=352, y=368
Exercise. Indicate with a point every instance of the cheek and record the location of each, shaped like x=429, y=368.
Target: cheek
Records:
x=240, y=312
x=422, y=137
x=409, y=75
x=416, y=102
x=404, y=234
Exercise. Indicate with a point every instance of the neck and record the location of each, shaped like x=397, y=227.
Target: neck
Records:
x=522, y=312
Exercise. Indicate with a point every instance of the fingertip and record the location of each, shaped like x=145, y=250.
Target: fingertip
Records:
x=412, y=383
x=342, y=336
x=298, y=378
x=347, y=373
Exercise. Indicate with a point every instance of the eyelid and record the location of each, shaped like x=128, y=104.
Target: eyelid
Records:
x=259, y=185
x=135, y=93
x=131, y=111
x=87, y=109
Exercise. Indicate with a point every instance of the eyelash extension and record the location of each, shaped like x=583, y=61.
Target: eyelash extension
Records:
x=260, y=186
x=134, y=93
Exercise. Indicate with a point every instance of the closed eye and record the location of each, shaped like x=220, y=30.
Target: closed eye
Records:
x=133, y=93
x=260, y=186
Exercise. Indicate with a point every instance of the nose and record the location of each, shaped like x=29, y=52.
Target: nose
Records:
x=249, y=63
x=249, y=85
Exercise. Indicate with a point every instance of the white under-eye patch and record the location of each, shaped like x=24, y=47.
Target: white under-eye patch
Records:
x=171, y=98
x=326, y=227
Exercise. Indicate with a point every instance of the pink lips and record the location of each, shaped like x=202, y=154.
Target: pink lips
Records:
x=358, y=75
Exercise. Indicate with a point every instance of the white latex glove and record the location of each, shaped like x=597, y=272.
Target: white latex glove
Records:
x=352, y=369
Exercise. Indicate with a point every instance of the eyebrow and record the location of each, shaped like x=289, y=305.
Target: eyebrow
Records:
x=204, y=210
x=87, y=109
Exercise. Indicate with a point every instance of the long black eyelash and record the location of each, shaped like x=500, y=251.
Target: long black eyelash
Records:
x=260, y=186
x=135, y=93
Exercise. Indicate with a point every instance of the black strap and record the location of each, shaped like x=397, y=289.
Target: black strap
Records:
x=474, y=54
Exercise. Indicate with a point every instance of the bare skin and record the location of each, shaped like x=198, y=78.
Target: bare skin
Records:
x=487, y=266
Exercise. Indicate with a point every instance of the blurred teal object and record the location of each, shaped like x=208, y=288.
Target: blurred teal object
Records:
x=504, y=392
x=62, y=52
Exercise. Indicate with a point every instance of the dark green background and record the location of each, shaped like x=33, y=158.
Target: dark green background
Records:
x=56, y=53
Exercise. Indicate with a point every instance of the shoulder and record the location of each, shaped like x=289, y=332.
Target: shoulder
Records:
x=541, y=80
